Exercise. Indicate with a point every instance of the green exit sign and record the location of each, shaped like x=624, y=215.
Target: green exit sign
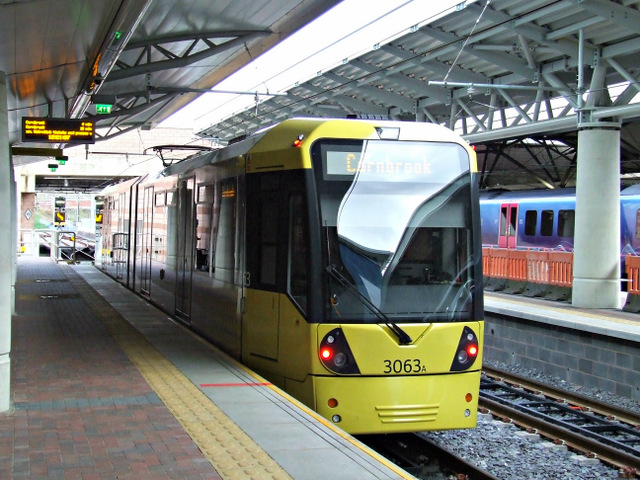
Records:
x=103, y=108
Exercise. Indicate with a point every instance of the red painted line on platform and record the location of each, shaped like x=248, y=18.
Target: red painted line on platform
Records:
x=257, y=384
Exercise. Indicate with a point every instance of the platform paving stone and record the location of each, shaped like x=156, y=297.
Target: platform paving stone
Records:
x=80, y=408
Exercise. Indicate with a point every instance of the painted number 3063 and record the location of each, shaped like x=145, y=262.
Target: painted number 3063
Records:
x=412, y=365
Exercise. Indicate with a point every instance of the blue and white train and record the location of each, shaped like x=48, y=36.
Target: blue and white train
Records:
x=546, y=219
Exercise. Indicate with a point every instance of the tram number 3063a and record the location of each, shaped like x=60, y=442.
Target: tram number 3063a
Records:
x=410, y=365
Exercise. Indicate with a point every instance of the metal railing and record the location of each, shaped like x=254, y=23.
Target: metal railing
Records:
x=67, y=246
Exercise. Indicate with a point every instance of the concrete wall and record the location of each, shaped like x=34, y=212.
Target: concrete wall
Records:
x=582, y=358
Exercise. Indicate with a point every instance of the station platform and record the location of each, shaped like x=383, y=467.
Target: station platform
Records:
x=106, y=386
x=595, y=349
x=614, y=323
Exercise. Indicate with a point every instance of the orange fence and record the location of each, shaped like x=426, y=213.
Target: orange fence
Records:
x=534, y=273
x=632, y=268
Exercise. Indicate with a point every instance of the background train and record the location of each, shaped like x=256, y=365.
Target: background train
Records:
x=340, y=259
x=546, y=219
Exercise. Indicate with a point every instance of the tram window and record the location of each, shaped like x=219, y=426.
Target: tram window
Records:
x=270, y=182
x=268, y=241
x=530, y=222
x=205, y=193
x=267, y=206
x=546, y=223
x=225, y=246
x=638, y=224
x=298, y=251
x=566, y=222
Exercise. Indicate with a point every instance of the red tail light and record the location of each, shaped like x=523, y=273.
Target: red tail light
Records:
x=326, y=353
x=335, y=353
x=467, y=351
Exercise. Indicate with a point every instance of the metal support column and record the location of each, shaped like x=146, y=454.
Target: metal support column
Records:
x=7, y=259
x=596, y=261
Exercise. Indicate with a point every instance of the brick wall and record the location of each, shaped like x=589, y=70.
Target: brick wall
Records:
x=582, y=358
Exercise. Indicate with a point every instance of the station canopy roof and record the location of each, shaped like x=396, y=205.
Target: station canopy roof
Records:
x=508, y=75
x=145, y=58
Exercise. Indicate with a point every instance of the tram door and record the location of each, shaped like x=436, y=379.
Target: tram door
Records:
x=186, y=249
x=266, y=257
x=146, y=241
x=508, y=225
x=121, y=239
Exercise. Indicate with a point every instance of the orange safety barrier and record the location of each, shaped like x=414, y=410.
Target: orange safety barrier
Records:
x=560, y=275
x=537, y=273
x=517, y=271
x=542, y=273
x=495, y=267
x=486, y=261
x=632, y=268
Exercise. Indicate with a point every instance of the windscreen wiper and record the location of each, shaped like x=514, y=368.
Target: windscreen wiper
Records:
x=403, y=337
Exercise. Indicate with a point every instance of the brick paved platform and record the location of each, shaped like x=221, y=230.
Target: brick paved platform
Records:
x=80, y=407
x=105, y=386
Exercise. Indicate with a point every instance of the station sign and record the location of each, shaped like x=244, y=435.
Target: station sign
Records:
x=103, y=108
x=57, y=130
x=60, y=212
x=99, y=209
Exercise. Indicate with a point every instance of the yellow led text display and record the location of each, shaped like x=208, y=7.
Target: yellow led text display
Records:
x=57, y=130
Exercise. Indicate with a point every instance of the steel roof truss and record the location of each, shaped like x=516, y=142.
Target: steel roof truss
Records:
x=552, y=174
x=479, y=123
x=132, y=108
x=144, y=63
x=521, y=113
x=523, y=167
x=626, y=17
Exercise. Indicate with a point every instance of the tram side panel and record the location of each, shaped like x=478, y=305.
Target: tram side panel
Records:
x=218, y=280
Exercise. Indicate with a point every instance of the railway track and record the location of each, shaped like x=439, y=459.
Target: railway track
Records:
x=422, y=457
x=583, y=424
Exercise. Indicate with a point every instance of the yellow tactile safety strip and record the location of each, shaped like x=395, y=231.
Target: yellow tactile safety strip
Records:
x=341, y=433
x=228, y=448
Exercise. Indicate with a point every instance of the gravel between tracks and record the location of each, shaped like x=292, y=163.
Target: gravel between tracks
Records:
x=507, y=452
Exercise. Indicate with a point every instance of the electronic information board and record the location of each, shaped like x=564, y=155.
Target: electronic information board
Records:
x=57, y=130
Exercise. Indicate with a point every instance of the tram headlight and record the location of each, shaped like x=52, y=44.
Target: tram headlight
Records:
x=467, y=351
x=335, y=353
x=340, y=360
x=463, y=356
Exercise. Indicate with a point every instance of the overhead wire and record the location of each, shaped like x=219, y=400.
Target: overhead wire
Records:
x=239, y=120
x=466, y=40
x=236, y=121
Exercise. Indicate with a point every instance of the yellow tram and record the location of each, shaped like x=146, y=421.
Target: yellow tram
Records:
x=340, y=259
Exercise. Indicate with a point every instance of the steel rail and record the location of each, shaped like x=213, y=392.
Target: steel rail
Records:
x=580, y=438
x=572, y=439
x=416, y=454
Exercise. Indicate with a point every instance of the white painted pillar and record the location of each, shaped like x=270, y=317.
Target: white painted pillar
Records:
x=7, y=262
x=596, y=257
